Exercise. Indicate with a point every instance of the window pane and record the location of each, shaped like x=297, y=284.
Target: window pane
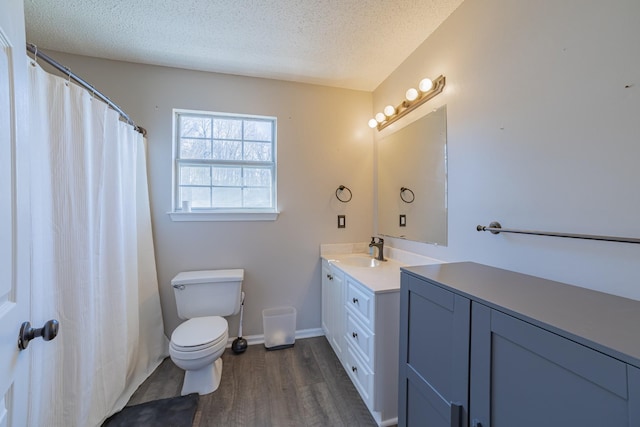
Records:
x=200, y=197
x=227, y=128
x=195, y=175
x=257, y=197
x=224, y=161
x=258, y=130
x=195, y=149
x=227, y=176
x=227, y=150
x=227, y=197
x=195, y=127
x=257, y=177
x=257, y=151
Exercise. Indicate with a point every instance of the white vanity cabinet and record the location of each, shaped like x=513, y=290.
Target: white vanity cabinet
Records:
x=371, y=347
x=332, y=307
x=361, y=322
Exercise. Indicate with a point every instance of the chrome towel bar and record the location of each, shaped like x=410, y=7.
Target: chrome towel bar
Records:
x=496, y=228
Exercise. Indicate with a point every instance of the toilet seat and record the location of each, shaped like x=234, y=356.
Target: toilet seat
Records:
x=200, y=333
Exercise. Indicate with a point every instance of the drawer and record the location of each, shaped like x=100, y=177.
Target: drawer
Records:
x=361, y=376
x=360, y=338
x=360, y=301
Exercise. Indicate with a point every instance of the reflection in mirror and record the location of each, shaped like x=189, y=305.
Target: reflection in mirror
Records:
x=414, y=158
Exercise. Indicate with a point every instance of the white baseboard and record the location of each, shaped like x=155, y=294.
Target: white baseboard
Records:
x=259, y=339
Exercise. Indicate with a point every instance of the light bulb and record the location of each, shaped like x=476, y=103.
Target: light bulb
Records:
x=389, y=110
x=425, y=85
x=373, y=123
x=380, y=117
x=411, y=94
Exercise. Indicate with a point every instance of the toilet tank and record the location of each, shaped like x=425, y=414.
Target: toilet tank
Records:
x=208, y=292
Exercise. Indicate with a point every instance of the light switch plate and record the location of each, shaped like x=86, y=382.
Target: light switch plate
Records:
x=342, y=221
x=403, y=220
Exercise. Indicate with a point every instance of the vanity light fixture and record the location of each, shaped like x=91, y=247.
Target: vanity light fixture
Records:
x=411, y=95
x=389, y=110
x=425, y=85
x=427, y=89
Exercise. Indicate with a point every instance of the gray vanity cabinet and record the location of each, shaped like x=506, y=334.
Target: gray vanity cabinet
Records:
x=434, y=354
x=522, y=375
x=526, y=351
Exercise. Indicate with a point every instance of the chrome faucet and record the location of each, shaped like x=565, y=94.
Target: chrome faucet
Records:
x=380, y=246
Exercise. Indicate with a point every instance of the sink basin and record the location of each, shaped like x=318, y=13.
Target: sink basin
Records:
x=359, y=261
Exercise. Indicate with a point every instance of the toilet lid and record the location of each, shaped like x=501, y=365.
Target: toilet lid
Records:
x=198, y=331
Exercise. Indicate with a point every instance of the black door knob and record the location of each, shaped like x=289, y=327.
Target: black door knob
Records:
x=48, y=332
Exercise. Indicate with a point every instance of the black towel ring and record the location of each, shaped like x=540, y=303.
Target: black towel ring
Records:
x=402, y=190
x=339, y=191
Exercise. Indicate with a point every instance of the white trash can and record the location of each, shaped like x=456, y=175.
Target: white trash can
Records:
x=279, y=327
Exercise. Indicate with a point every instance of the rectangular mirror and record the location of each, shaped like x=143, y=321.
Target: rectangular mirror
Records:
x=414, y=158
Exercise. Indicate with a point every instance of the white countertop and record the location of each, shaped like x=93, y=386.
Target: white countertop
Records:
x=385, y=277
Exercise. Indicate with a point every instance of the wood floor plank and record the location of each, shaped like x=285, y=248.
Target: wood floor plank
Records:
x=338, y=380
x=305, y=385
x=167, y=382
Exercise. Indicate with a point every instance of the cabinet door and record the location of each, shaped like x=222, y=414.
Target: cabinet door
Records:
x=326, y=276
x=525, y=376
x=337, y=314
x=633, y=375
x=434, y=355
x=333, y=307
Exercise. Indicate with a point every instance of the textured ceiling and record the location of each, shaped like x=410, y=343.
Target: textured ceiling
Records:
x=344, y=43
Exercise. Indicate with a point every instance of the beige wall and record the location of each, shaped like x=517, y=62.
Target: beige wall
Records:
x=323, y=142
x=542, y=134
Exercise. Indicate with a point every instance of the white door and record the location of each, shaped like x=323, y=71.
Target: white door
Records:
x=14, y=214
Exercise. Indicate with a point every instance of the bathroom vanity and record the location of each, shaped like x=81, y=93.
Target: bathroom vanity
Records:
x=332, y=306
x=481, y=346
x=361, y=320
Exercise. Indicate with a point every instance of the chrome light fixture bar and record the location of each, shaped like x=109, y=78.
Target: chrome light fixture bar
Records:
x=414, y=98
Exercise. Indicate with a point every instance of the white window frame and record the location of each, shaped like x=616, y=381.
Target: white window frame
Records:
x=219, y=214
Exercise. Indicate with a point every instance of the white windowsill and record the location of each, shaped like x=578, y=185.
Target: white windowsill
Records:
x=223, y=216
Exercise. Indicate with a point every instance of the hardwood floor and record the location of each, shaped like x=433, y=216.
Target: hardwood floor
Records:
x=300, y=386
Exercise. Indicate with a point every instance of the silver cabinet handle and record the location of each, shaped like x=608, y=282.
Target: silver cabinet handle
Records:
x=354, y=334
x=355, y=300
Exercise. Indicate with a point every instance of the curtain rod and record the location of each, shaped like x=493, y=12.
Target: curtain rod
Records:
x=496, y=228
x=66, y=71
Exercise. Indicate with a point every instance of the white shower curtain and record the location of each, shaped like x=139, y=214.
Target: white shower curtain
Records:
x=93, y=265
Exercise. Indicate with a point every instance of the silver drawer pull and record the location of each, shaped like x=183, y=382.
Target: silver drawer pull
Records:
x=355, y=300
x=330, y=277
x=354, y=334
x=354, y=369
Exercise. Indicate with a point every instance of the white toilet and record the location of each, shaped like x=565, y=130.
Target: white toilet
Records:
x=202, y=298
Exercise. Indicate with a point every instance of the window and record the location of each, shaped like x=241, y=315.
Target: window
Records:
x=225, y=163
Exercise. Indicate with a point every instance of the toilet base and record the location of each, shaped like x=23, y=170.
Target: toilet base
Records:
x=203, y=381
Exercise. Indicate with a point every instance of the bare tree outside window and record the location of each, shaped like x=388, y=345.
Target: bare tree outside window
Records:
x=225, y=162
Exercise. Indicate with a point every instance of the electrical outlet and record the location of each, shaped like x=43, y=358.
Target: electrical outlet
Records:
x=342, y=221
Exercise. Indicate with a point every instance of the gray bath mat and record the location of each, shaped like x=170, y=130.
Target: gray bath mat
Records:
x=173, y=412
